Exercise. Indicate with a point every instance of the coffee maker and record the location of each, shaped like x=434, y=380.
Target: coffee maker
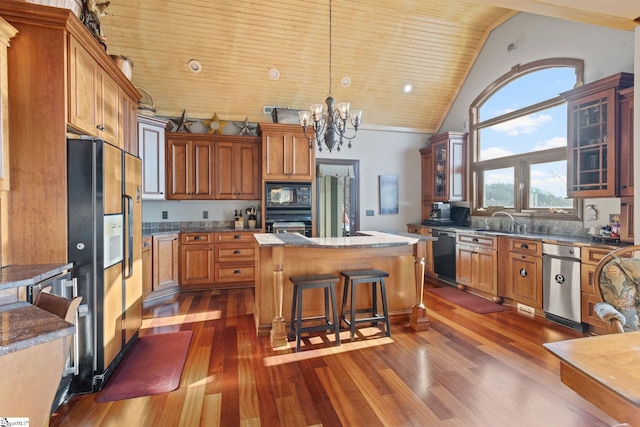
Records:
x=440, y=212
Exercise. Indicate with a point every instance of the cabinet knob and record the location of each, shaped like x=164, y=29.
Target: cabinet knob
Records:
x=237, y=271
x=100, y=127
x=197, y=238
x=237, y=236
x=236, y=252
x=524, y=246
x=475, y=239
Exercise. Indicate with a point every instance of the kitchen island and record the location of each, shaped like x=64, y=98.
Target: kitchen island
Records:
x=280, y=256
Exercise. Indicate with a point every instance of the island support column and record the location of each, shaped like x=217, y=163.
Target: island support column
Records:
x=278, y=331
x=418, y=319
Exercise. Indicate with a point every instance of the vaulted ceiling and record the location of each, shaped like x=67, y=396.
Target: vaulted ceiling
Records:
x=381, y=45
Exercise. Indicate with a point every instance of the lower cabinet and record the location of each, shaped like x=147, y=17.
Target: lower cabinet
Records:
x=590, y=258
x=235, y=255
x=147, y=266
x=217, y=260
x=196, y=259
x=524, y=271
x=477, y=263
x=428, y=262
x=165, y=261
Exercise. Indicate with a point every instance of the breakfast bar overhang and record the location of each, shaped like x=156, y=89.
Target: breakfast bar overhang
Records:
x=280, y=256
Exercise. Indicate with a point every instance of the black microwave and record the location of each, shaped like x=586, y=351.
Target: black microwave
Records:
x=288, y=195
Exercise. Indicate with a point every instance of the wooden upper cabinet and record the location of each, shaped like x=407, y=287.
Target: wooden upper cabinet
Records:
x=626, y=142
x=129, y=125
x=189, y=166
x=67, y=70
x=593, y=137
x=237, y=170
x=449, y=157
x=286, y=154
x=95, y=104
x=426, y=156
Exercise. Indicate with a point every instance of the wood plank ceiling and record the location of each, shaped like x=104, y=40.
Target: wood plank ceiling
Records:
x=380, y=44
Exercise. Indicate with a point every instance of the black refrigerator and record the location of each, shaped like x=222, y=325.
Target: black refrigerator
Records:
x=105, y=246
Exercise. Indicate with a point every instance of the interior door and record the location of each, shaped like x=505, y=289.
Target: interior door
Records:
x=337, y=201
x=132, y=268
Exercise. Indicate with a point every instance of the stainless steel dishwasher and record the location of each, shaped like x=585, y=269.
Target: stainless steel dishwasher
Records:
x=561, y=284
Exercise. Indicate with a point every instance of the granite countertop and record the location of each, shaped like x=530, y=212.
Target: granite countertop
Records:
x=23, y=325
x=546, y=238
x=14, y=276
x=203, y=230
x=364, y=239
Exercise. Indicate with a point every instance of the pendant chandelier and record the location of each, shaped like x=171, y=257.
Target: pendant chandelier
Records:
x=330, y=122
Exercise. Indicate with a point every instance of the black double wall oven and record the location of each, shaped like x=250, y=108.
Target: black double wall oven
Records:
x=288, y=207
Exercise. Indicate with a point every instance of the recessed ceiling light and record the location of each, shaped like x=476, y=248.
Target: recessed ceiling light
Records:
x=274, y=74
x=408, y=88
x=194, y=66
x=346, y=81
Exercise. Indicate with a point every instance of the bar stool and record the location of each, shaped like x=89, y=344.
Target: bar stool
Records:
x=314, y=281
x=351, y=279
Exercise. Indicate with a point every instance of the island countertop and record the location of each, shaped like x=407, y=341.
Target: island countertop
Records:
x=23, y=325
x=364, y=239
x=14, y=276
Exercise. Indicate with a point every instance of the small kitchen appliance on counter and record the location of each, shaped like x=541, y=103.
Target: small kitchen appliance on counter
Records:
x=440, y=214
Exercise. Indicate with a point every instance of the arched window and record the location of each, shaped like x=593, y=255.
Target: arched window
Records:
x=518, y=140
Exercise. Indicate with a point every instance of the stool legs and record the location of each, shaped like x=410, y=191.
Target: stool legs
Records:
x=300, y=283
x=351, y=280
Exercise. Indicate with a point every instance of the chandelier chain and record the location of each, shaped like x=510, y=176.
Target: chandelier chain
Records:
x=330, y=46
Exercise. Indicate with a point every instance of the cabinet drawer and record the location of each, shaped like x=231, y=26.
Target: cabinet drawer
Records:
x=193, y=238
x=477, y=240
x=237, y=252
x=238, y=236
x=525, y=246
x=234, y=272
x=415, y=229
x=593, y=255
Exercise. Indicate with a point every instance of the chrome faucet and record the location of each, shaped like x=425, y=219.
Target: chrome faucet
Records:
x=514, y=227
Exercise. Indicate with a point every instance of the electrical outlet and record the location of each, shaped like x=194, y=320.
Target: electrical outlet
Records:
x=369, y=212
x=165, y=215
x=205, y=214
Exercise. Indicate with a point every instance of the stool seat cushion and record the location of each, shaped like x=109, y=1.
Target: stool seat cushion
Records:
x=313, y=279
x=365, y=273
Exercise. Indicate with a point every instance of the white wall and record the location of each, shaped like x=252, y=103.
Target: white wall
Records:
x=605, y=52
x=386, y=153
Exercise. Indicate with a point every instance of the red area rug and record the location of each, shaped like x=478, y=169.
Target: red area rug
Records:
x=153, y=366
x=469, y=301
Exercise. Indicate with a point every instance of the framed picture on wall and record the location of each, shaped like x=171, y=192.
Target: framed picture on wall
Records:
x=388, y=194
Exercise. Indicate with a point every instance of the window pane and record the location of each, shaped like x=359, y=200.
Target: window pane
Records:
x=548, y=187
x=528, y=90
x=498, y=188
x=533, y=132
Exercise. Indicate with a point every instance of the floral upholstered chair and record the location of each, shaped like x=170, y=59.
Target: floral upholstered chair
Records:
x=617, y=287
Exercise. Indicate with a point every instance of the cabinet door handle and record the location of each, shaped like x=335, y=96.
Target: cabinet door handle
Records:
x=475, y=239
x=237, y=236
x=524, y=246
x=197, y=238
x=236, y=252
x=237, y=272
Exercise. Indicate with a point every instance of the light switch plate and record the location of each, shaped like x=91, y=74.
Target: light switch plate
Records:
x=370, y=213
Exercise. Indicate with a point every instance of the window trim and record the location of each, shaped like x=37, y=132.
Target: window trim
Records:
x=477, y=167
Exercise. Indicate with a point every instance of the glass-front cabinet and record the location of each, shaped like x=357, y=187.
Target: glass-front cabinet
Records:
x=449, y=166
x=593, y=137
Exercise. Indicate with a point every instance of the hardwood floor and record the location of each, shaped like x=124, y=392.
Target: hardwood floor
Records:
x=467, y=370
